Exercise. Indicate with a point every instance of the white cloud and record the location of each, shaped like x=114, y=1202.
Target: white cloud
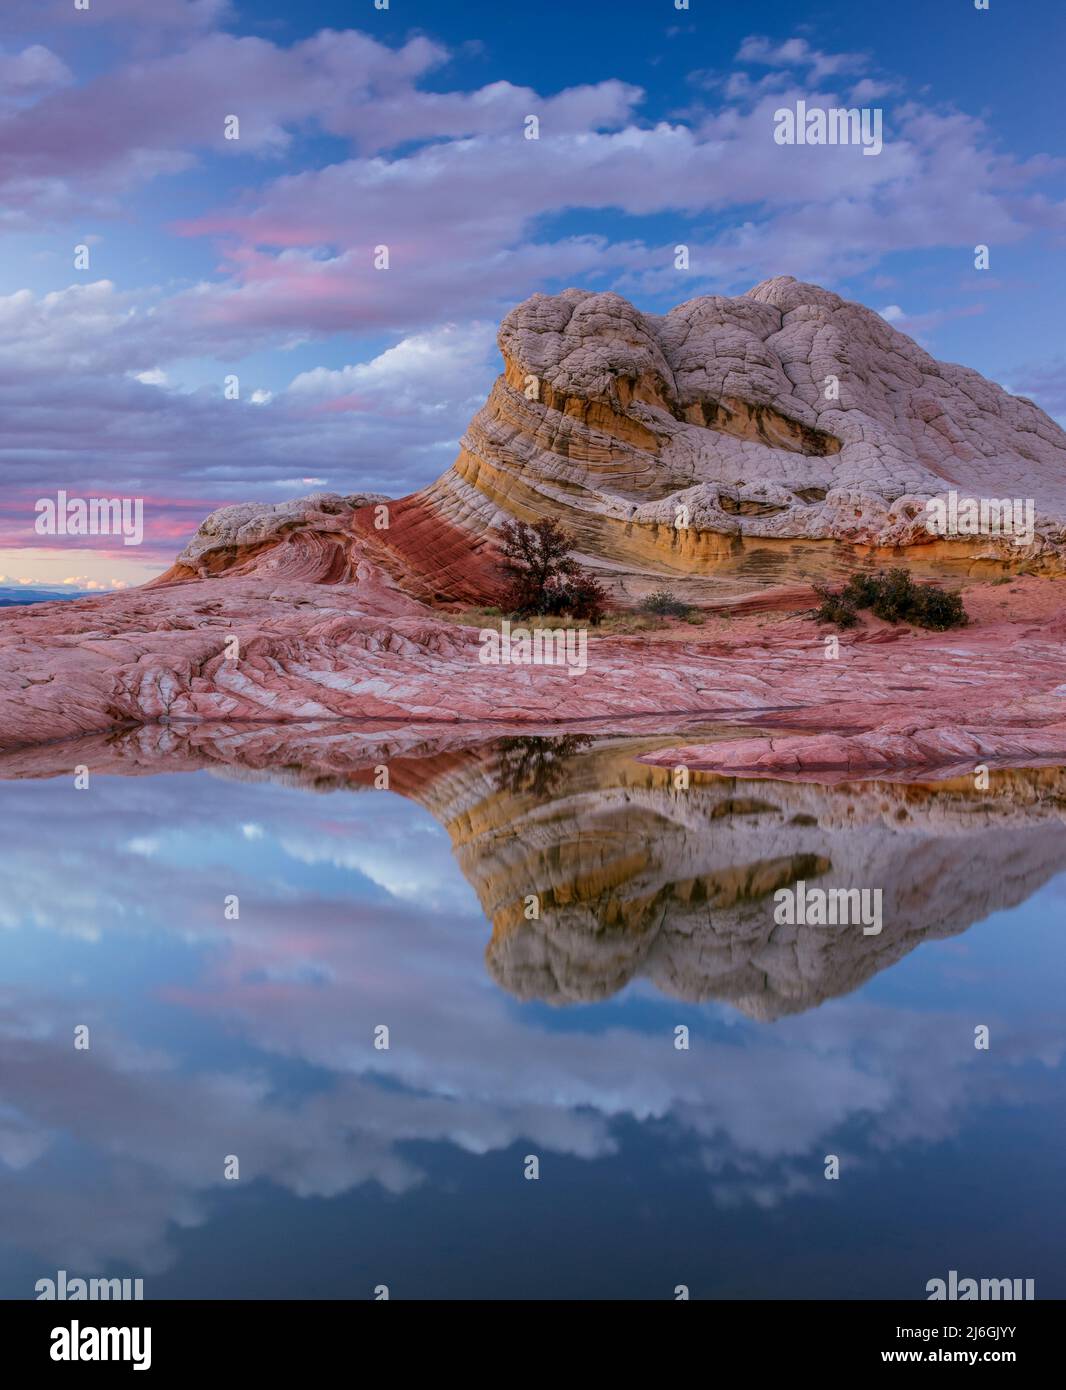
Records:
x=144, y=845
x=85, y=581
x=797, y=52
x=423, y=876
x=31, y=73
x=421, y=372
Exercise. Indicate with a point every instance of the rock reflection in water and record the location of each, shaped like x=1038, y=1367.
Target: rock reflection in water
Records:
x=213, y=1036
x=636, y=876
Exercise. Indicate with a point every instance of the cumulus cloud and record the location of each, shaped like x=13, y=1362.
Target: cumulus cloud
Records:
x=815, y=212
x=157, y=115
x=798, y=53
x=27, y=75
x=160, y=114
x=418, y=375
x=387, y=424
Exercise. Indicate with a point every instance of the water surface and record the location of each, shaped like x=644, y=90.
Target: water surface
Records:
x=359, y=907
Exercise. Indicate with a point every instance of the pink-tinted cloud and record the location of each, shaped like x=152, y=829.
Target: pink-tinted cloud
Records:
x=159, y=114
x=466, y=206
x=98, y=429
x=29, y=74
x=822, y=213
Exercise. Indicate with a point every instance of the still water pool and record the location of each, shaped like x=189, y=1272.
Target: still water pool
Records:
x=236, y=939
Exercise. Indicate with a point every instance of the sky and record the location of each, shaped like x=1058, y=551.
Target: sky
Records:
x=206, y=259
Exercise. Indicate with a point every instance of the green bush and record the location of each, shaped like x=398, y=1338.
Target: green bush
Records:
x=939, y=610
x=861, y=590
x=834, y=608
x=895, y=598
x=665, y=604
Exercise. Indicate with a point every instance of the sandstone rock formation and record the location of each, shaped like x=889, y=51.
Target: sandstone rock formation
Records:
x=271, y=641
x=892, y=754
x=636, y=878
x=329, y=606
x=801, y=434
x=306, y=538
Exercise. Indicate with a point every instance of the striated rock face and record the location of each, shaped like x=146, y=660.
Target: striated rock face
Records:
x=269, y=641
x=636, y=878
x=613, y=419
x=891, y=753
x=306, y=539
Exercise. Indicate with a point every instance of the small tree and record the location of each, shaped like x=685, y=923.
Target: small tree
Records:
x=543, y=577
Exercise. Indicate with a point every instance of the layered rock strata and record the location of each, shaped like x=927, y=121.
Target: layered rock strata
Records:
x=733, y=441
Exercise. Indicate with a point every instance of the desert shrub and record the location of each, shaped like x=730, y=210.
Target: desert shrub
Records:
x=536, y=765
x=895, y=598
x=938, y=609
x=665, y=604
x=835, y=608
x=861, y=590
x=583, y=596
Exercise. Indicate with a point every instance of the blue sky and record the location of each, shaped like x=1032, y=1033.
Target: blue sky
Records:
x=404, y=127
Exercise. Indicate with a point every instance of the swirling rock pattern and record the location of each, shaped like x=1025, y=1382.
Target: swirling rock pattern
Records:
x=800, y=433
x=259, y=644
x=329, y=606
